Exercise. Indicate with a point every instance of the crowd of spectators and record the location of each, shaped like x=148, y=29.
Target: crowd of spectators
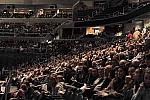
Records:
x=27, y=29
x=55, y=14
x=103, y=9
x=24, y=46
x=26, y=13
x=117, y=70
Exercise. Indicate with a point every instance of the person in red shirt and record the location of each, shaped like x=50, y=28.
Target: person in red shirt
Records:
x=130, y=36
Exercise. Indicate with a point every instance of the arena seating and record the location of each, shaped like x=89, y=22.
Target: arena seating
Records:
x=73, y=69
x=27, y=30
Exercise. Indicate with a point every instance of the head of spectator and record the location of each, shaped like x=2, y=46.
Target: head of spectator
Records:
x=131, y=72
x=101, y=72
x=120, y=73
x=60, y=78
x=139, y=75
x=94, y=72
x=128, y=79
x=135, y=63
x=107, y=71
x=122, y=63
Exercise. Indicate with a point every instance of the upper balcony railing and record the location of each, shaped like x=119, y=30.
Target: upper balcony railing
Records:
x=104, y=10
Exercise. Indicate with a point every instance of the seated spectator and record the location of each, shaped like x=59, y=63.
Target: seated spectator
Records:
x=127, y=89
x=103, y=84
x=20, y=94
x=143, y=91
x=60, y=85
x=138, y=79
x=118, y=82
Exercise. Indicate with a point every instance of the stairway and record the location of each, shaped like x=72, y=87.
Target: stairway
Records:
x=53, y=34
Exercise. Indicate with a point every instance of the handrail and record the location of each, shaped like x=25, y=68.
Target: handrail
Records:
x=76, y=4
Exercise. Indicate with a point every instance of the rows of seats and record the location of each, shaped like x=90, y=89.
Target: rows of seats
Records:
x=27, y=29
